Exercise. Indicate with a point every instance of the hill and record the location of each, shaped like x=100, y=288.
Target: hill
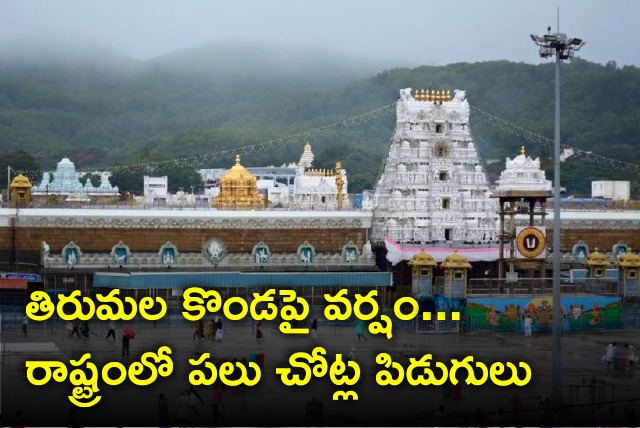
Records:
x=105, y=110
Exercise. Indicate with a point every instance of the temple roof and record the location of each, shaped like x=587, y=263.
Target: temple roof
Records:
x=596, y=259
x=629, y=260
x=20, y=181
x=238, y=171
x=456, y=261
x=422, y=259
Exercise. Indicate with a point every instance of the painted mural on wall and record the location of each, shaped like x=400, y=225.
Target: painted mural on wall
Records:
x=440, y=303
x=578, y=313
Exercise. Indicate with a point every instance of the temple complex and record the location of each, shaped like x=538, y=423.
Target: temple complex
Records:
x=433, y=188
x=66, y=181
x=238, y=190
x=320, y=188
x=293, y=186
x=432, y=216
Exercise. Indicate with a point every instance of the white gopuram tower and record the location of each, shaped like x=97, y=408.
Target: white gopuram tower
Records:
x=433, y=188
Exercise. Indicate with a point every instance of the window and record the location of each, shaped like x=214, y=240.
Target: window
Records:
x=446, y=203
x=439, y=128
x=458, y=275
x=443, y=176
x=324, y=199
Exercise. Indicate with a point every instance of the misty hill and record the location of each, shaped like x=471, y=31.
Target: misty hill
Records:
x=226, y=96
x=251, y=63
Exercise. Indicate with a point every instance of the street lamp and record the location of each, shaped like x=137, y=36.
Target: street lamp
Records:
x=562, y=47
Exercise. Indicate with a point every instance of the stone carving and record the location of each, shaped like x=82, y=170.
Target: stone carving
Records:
x=120, y=254
x=260, y=253
x=168, y=254
x=306, y=253
x=214, y=250
x=350, y=252
x=71, y=254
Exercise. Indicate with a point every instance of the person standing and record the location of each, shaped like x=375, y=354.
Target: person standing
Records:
x=352, y=355
x=163, y=412
x=112, y=330
x=217, y=403
x=219, y=329
x=211, y=329
x=610, y=352
x=360, y=329
x=516, y=410
x=198, y=331
x=25, y=323
x=125, y=344
x=76, y=328
x=85, y=329
x=633, y=354
x=527, y=325
x=259, y=333
x=314, y=329
x=182, y=409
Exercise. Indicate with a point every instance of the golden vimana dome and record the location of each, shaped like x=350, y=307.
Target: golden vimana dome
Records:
x=20, y=181
x=238, y=189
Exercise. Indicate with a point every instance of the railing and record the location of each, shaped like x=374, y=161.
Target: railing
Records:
x=533, y=286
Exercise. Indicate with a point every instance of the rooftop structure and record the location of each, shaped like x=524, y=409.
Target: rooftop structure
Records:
x=523, y=174
x=66, y=181
x=238, y=189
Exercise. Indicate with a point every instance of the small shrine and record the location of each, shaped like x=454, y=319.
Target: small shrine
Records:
x=238, y=189
x=20, y=191
x=66, y=181
x=522, y=188
x=629, y=265
x=597, y=264
x=320, y=188
x=422, y=265
x=456, y=268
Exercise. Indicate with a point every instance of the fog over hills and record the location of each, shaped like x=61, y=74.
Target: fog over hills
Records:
x=287, y=64
x=102, y=108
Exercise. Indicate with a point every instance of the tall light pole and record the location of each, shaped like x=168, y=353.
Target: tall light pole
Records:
x=562, y=47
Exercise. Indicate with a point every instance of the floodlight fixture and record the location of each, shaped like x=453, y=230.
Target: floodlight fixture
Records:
x=563, y=48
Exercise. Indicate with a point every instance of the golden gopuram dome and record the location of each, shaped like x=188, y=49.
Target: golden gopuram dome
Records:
x=238, y=189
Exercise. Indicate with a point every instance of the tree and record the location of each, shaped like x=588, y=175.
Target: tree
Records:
x=20, y=162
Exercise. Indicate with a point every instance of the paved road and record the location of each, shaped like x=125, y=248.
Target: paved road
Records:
x=270, y=403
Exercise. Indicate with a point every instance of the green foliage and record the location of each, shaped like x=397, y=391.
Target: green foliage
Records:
x=157, y=111
x=20, y=162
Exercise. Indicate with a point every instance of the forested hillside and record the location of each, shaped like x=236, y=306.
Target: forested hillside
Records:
x=202, y=106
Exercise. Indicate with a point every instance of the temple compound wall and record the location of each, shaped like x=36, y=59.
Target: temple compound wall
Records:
x=97, y=231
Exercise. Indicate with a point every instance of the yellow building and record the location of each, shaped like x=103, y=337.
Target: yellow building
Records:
x=20, y=191
x=238, y=190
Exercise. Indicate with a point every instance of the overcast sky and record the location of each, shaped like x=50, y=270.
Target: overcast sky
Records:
x=419, y=31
